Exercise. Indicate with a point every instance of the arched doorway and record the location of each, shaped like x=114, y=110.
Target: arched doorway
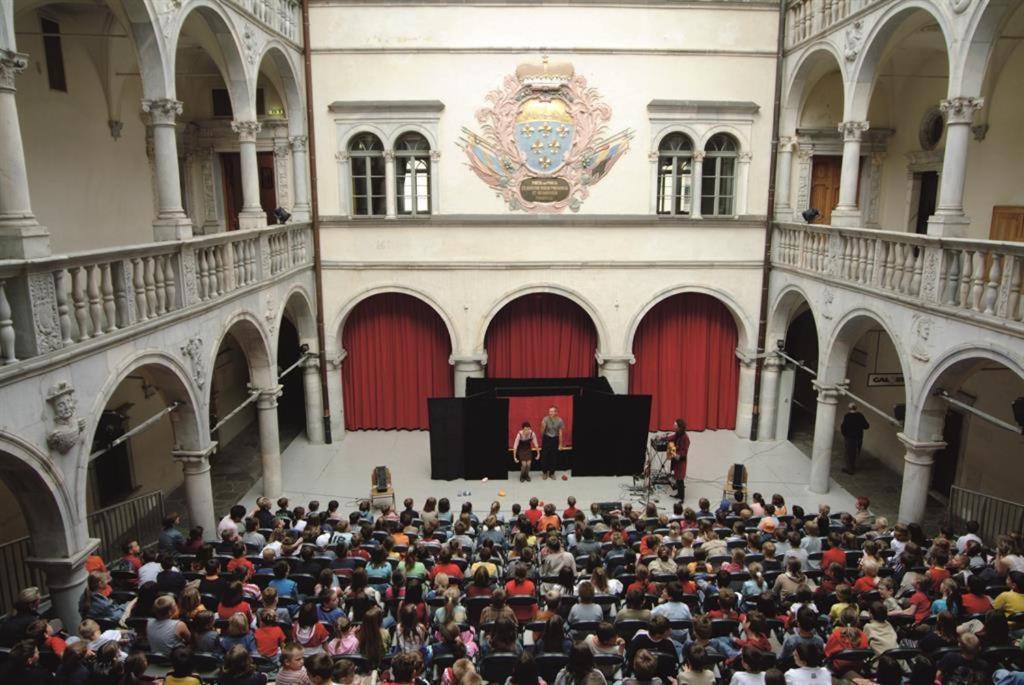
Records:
x=298, y=371
x=541, y=335
x=685, y=350
x=801, y=343
x=397, y=350
x=291, y=407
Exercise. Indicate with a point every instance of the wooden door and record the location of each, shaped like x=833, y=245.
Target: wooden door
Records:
x=1007, y=224
x=268, y=185
x=231, y=168
x=825, y=173
x=926, y=198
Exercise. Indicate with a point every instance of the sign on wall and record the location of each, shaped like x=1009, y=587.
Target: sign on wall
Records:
x=542, y=142
x=885, y=380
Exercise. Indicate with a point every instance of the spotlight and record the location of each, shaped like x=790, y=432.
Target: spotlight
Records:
x=810, y=214
x=900, y=412
x=304, y=348
x=780, y=344
x=1018, y=412
x=283, y=216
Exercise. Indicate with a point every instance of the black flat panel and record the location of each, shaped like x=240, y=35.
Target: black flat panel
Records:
x=486, y=450
x=447, y=437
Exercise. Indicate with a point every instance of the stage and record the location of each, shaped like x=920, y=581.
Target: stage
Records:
x=342, y=471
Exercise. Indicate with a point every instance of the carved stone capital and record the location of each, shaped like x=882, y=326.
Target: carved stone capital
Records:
x=389, y=156
x=268, y=396
x=960, y=110
x=745, y=157
x=246, y=130
x=698, y=156
x=298, y=143
x=774, y=362
x=827, y=394
x=853, y=131
x=652, y=156
x=341, y=157
x=11, y=64
x=195, y=462
x=920, y=452
x=786, y=143
x=163, y=111
x=68, y=428
x=282, y=149
x=435, y=156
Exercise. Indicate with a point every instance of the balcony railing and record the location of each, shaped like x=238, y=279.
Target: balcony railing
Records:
x=995, y=516
x=55, y=303
x=283, y=16
x=807, y=18
x=980, y=279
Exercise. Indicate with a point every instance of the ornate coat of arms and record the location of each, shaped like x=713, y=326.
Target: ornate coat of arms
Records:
x=543, y=140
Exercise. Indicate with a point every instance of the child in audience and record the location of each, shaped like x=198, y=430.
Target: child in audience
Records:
x=344, y=640
x=269, y=636
x=181, y=668
x=293, y=670
x=696, y=669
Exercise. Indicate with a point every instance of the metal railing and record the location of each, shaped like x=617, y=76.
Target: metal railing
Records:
x=15, y=573
x=139, y=518
x=996, y=516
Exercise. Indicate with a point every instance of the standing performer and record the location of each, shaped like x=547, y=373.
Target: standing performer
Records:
x=524, y=449
x=678, y=449
x=551, y=441
x=854, y=425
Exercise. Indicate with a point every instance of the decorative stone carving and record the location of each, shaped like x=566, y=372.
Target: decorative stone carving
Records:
x=188, y=269
x=252, y=41
x=921, y=347
x=11, y=64
x=930, y=275
x=282, y=164
x=68, y=428
x=115, y=127
x=959, y=6
x=960, y=110
x=193, y=351
x=163, y=111
x=389, y=155
x=298, y=143
x=270, y=314
x=852, y=40
x=698, y=156
x=980, y=131
x=745, y=157
x=652, y=156
x=206, y=162
x=828, y=296
x=435, y=156
x=874, y=200
x=43, y=296
x=853, y=131
x=246, y=130
x=166, y=11
x=786, y=143
x=341, y=157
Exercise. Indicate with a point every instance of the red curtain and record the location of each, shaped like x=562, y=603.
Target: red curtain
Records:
x=398, y=349
x=685, y=351
x=541, y=336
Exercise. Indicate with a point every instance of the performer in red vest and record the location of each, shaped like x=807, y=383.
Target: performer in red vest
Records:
x=678, y=448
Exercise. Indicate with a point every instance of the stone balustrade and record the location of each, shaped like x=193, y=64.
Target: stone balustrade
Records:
x=282, y=16
x=979, y=279
x=57, y=302
x=806, y=19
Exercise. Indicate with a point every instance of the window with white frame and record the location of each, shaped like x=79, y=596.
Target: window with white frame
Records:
x=369, y=195
x=412, y=174
x=675, y=167
x=718, y=182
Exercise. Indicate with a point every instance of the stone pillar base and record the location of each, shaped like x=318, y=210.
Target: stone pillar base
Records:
x=66, y=579
x=23, y=239
x=850, y=218
x=249, y=219
x=172, y=228
x=949, y=225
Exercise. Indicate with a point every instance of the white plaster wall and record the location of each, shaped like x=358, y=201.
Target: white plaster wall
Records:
x=230, y=376
x=987, y=463
x=459, y=54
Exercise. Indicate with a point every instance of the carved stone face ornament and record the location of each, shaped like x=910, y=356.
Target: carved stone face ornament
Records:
x=67, y=430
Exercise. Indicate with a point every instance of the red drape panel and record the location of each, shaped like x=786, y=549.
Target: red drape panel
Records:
x=541, y=336
x=685, y=351
x=534, y=408
x=398, y=349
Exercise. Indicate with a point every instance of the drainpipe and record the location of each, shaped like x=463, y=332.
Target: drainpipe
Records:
x=314, y=201
x=762, y=319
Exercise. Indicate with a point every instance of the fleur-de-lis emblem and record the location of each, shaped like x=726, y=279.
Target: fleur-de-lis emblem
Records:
x=544, y=162
x=537, y=146
x=554, y=145
x=562, y=131
x=545, y=130
x=528, y=130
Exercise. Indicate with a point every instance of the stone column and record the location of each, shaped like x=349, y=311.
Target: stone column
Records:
x=768, y=404
x=65, y=580
x=917, y=477
x=270, y=441
x=252, y=214
x=697, y=172
x=195, y=464
x=742, y=179
x=949, y=219
x=824, y=435
x=300, y=203
x=783, y=176
x=616, y=370
x=171, y=222
x=468, y=366
x=314, y=401
x=335, y=396
x=390, y=192
x=846, y=213
x=745, y=394
x=435, y=181
x=21, y=236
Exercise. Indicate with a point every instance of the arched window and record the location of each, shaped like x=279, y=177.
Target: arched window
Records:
x=718, y=185
x=675, y=158
x=412, y=174
x=369, y=197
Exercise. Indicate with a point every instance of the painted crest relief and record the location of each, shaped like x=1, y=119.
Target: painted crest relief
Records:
x=543, y=141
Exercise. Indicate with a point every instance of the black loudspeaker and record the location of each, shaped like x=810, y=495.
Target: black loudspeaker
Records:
x=739, y=473
x=1018, y=411
x=900, y=412
x=380, y=477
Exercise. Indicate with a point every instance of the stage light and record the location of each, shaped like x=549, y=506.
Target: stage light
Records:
x=900, y=412
x=282, y=215
x=304, y=348
x=810, y=214
x=1018, y=411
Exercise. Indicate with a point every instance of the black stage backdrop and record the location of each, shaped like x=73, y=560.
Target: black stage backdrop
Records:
x=469, y=438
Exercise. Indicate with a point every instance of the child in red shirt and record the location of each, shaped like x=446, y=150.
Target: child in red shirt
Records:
x=269, y=636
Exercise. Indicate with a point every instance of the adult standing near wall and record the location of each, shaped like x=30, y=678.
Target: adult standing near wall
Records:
x=552, y=427
x=679, y=450
x=854, y=425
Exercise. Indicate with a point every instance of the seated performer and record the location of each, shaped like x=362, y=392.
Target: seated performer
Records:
x=524, y=449
x=678, y=448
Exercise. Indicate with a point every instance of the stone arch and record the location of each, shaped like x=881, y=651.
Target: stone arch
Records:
x=299, y=310
x=51, y=511
x=552, y=289
x=782, y=311
x=695, y=138
x=742, y=144
x=389, y=143
x=817, y=60
x=295, y=106
x=744, y=327
x=233, y=71
x=365, y=128
x=968, y=71
x=253, y=341
x=338, y=324
x=157, y=78
x=864, y=75
x=845, y=334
